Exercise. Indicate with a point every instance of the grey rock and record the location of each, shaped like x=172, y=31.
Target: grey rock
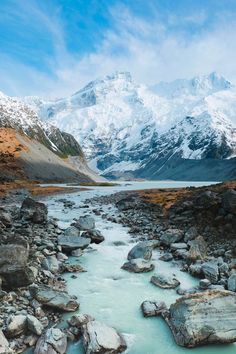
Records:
x=153, y=308
x=101, y=339
x=85, y=223
x=190, y=234
x=211, y=271
x=164, y=281
x=53, y=341
x=51, y=263
x=77, y=253
x=196, y=269
x=4, y=344
x=70, y=243
x=178, y=246
x=141, y=250
x=80, y=320
x=72, y=231
x=5, y=219
x=16, y=325
x=34, y=325
x=138, y=265
x=229, y=200
x=34, y=211
x=198, y=249
x=171, y=236
x=53, y=298
x=232, y=282
x=204, y=284
x=203, y=318
x=166, y=257
x=94, y=235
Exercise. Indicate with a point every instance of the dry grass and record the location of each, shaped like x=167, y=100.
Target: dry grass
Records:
x=9, y=143
x=165, y=197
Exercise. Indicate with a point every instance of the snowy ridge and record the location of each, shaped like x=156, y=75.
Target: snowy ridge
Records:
x=122, y=125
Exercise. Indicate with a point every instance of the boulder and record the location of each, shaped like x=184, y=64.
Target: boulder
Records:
x=203, y=318
x=198, y=249
x=5, y=219
x=141, y=250
x=4, y=345
x=50, y=263
x=53, y=298
x=16, y=325
x=196, y=269
x=94, y=235
x=211, y=271
x=164, y=281
x=34, y=211
x=138, y=265
x=53, y=341
x=70, y=243
x=34, y=325
x=80, y=320
x=99, y=338
x=178, y=246
x=190, y=234
x=231, y=283
x=204, y=284
x=166, y=257
x=171, y=236
x=153, y=308
x=72, y=231
x=85, y=223
x=14, y=270
x=229, y=201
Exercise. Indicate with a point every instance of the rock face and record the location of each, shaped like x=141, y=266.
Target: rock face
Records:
x=141, y=250
x=70, y=243
x=153, y=308
x=59, y=300
x=99, y=338
x=164, y=281
x=204, y=318
x=34, y=211
x=53, y=341
x=138, y=265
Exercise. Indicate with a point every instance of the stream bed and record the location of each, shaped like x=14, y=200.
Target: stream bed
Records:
x=113, y=295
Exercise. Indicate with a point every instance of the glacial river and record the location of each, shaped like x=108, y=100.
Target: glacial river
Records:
x=113, y=295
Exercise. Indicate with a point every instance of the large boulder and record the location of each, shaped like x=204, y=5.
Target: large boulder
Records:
x=99, y=338
x=203, y=318
x=16, y=325
x=53, y=298
x=70, y=243
x=4, y=345
x=85, y=223
x=229, y=201
x=211, y=271
x=153, y=308
x=94, y=235
x=231, y=283
x=34, y=211
x=138, y=265
x=164, y=281
x=13, y=266
x=53, y=341
x=198, y=249
x=141, y=250
x=171, y=236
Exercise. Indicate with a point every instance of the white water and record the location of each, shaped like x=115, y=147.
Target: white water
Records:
x=113, y=295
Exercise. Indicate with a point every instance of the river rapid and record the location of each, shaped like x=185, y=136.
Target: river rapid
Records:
x=113, y=295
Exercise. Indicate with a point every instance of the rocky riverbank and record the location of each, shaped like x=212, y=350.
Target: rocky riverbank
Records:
x=193, y=227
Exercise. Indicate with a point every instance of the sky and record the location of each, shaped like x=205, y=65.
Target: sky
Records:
x=52, y=48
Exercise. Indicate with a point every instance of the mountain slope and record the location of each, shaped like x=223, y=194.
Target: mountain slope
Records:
x=126, y=128
x=38, y=147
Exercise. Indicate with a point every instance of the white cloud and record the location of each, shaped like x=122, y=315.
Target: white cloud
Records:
x=148, y=49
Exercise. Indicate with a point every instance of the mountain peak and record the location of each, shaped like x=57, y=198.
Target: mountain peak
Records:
x=202, y=85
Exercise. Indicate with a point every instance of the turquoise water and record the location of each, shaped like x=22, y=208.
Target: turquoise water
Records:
x=113, y=295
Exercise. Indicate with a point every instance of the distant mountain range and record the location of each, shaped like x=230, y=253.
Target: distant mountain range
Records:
x=185, y=129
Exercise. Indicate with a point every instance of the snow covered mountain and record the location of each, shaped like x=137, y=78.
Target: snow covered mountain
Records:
x=43, y=151
x=127, y=128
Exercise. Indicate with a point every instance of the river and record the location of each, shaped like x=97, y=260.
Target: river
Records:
x=113, y=295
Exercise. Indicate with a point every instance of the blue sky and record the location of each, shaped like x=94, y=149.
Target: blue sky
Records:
x=53, y=47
